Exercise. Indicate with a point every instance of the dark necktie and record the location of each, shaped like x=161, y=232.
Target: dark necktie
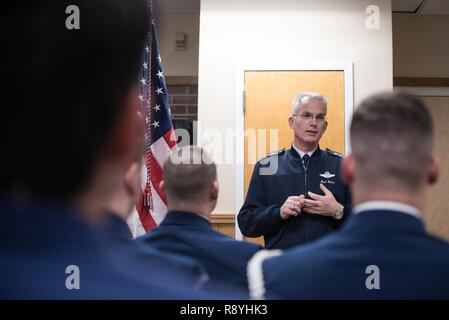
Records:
x=305, y=161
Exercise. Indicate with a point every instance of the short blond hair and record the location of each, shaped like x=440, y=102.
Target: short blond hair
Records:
x=188, y=174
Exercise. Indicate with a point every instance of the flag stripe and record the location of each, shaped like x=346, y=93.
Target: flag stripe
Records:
x=160, y=150
x=159, y=207
x=170, y=138
x=156, y=176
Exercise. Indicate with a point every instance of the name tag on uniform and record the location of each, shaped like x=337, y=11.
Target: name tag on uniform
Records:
x=327, y=176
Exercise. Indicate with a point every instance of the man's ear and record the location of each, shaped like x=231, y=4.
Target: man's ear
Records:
x=290, y=121
x=214, y=189
x=347, y=168
x=434, y=170
x=162, y=188
x=133, y=180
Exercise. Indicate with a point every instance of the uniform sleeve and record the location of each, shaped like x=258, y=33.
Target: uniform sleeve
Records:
x=256, y=218
x=347, y=203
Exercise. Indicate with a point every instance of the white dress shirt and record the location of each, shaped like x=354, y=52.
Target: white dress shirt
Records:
x=302, y=153
x=388, y=205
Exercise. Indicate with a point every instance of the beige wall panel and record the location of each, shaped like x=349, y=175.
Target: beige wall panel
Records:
x=437, y=204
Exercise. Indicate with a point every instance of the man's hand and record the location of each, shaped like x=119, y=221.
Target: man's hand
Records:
x=292, y=206
x=323, y=205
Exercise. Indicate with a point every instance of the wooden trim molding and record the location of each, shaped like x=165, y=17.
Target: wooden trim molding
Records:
x=420, y=82
x=227, y=218
x=181, y=80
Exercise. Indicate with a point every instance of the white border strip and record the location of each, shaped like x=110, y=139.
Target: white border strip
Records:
x=273, y=65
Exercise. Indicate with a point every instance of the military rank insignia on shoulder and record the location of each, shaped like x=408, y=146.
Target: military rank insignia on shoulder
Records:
x=334, y=153
x=266, y=159
x=277, y=152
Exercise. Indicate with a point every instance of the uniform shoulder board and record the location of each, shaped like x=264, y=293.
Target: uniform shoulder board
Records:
x=334, y=153
x=265, y=159
x=277, y=152
x=273, y=153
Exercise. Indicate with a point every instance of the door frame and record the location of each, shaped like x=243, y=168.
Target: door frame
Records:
x=274, y=65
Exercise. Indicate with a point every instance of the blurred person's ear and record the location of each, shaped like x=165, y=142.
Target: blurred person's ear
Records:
x=133, y=180
x=162, y=188
x=347, y=168
x=434, y=170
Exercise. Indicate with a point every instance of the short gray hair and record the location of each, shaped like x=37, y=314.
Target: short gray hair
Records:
x=303, y=98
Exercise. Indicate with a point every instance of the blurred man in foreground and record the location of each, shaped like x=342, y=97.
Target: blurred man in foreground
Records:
x=383, y=251
x=69, y=134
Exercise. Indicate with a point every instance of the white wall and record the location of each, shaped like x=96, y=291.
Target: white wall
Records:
x=306, y=30
x=421, y=46
x=179, y=63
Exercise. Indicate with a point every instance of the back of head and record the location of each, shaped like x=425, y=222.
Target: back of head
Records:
x=189, y=173
x=64, y=90
x=391, y=137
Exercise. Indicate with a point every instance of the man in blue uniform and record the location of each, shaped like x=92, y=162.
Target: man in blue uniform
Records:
x=69, y=132
x=124, y=251
x=383, y=250
x=190, y=183
x=305, y=197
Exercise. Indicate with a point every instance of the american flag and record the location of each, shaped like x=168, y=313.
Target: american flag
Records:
x=160, y=137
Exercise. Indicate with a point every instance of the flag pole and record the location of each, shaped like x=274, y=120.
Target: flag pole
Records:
x=148, y=200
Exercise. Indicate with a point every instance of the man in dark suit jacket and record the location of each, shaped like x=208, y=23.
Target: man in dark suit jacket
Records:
x=190, y=183
x=123, y=251
x=383, y=252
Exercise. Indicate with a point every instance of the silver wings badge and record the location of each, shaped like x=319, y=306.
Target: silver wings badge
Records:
x=327, y=175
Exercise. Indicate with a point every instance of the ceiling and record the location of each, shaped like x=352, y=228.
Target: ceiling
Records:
x=177, y=6
x=419, y=7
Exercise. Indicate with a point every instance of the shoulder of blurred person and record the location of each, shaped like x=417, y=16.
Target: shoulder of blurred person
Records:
x=147, y=261
x=47, y=252
x=191, y=188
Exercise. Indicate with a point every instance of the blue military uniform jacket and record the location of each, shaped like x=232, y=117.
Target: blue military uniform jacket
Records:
x=125, y=252
x=191, y=235
x=39, y=241
x=411, y=263
x=260, y=213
